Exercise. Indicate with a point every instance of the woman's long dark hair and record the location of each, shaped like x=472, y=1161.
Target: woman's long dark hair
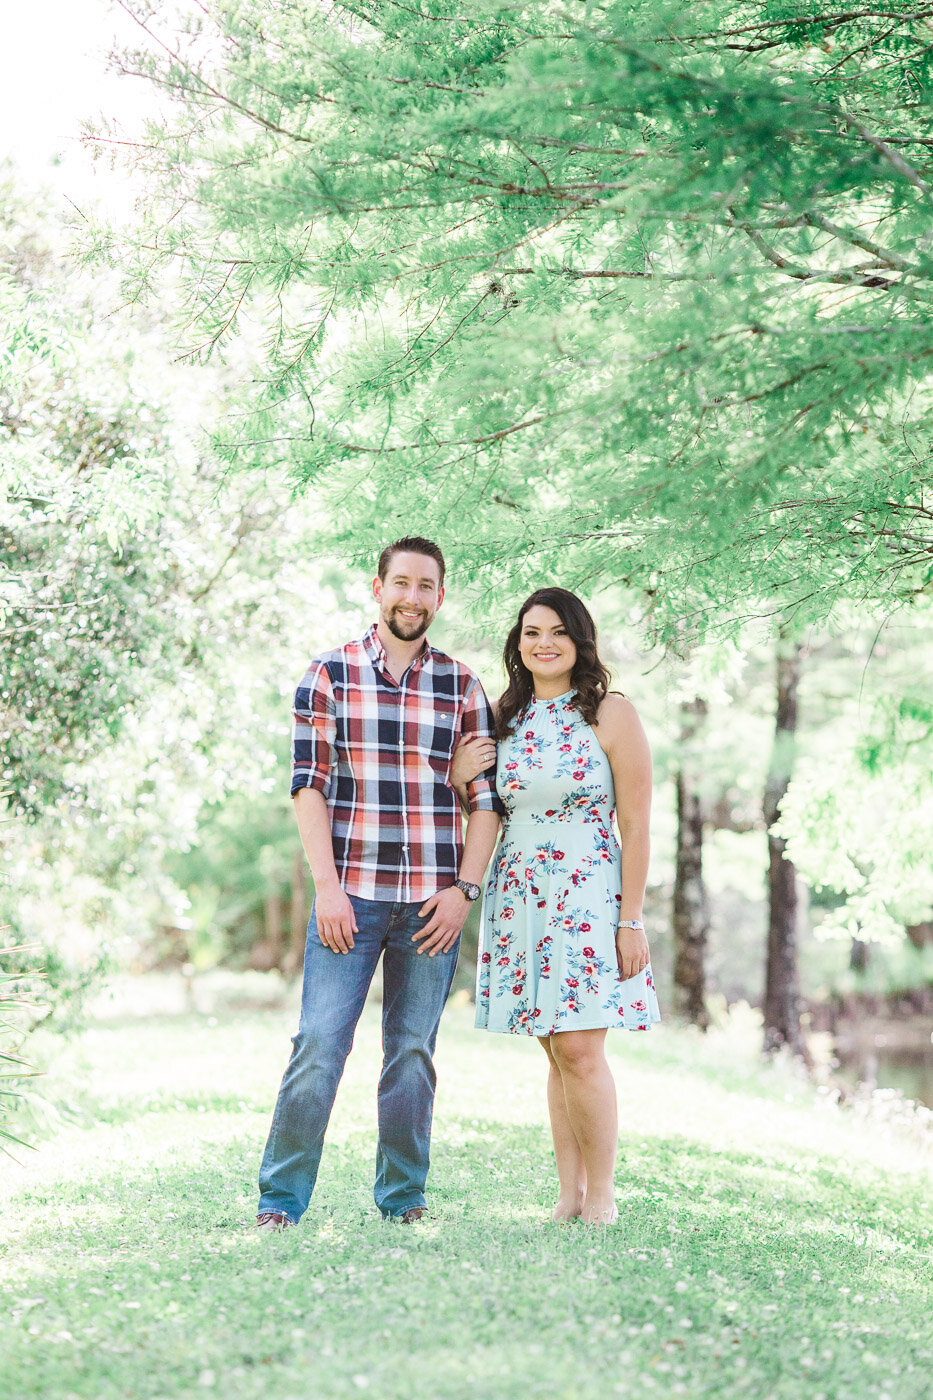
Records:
x=589, y=676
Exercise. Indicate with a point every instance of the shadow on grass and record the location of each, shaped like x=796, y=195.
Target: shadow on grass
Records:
x=149, y=1282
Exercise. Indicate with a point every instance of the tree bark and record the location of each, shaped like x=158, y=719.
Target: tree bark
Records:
x=859, y=954
x=294, y=959
x=268, y=953
x=782, y=979
x=920, y=934
x=691, y=906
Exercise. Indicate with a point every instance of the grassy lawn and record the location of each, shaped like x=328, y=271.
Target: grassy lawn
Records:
x=769, y=1244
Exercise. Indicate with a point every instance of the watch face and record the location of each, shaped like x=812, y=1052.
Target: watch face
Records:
x=471, y=891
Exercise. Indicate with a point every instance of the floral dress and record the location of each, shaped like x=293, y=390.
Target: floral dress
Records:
x=547, y=956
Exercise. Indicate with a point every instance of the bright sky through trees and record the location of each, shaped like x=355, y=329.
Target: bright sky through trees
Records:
x=55, y=78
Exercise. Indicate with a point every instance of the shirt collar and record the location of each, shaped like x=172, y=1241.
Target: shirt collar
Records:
x=376, y=652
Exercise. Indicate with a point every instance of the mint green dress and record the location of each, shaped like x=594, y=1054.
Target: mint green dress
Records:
x=547, y=956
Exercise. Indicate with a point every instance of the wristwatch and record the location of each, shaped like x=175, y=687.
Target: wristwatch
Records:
x=631, y=923
x=472, y=892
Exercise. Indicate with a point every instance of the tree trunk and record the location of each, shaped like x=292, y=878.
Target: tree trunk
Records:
x=691, y=907
x=859, y=954
x=268, y=953
x=920, y=934
x=782, y=980
x=294, y=959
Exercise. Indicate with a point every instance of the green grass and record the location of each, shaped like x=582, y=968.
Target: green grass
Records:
x=769, y=1243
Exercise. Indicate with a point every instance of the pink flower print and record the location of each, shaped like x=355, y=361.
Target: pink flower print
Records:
x=640, y=1006
x=585, y=928
x=588, y=952
x=618, y=899
x=536, y=1012
x=604, y=833
x=572, y=982
x=485, y=992
x=487, y=957
x=503, y=940
x=542, y=903
x=565, y=748
x=581, y=799
x=572, y=1004
x=513, y=786
x=516, y=990
x=529, y=734
x=560, y=906
x=508, y=912
x=558, y=855
x=549, y=812
x=512, y=766
x=589, y=968
x=503, y=962
x=535, y=890
x=579, y=775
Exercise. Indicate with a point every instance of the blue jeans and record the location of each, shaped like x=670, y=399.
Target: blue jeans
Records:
x=334, y=991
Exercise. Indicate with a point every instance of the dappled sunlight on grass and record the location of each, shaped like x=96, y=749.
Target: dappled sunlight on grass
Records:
x=760, y=1247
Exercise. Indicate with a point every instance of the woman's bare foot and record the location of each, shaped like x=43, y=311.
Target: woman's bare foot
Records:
x=569, y=1207
x=599, y=1210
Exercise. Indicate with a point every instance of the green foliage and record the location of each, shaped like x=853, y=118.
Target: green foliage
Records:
x=148, y=607
x=19, y=1002
x=626, y=293
x=768, y=1244
x=858, y=812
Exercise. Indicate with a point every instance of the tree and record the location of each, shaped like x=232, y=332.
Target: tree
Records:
x=691, y=917
x=149, y=607
x=630, y=292
x=782, y=979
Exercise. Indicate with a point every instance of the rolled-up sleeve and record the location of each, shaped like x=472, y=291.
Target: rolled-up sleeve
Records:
x=477, y=719
x=314, y=732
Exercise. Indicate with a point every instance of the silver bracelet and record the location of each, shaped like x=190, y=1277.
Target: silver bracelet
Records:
x=631, y=923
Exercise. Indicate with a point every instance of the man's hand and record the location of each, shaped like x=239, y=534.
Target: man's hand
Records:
x=448, y=909
x=336, y=921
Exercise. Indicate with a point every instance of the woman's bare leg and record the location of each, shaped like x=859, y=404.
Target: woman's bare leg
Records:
x=571, y=1172
x=589, y=1095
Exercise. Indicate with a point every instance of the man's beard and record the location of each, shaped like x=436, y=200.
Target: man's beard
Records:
x=396, y=626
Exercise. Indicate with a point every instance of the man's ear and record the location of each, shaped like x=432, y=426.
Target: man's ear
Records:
x=377, y=588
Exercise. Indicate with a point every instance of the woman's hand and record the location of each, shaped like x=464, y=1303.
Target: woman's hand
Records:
x=473, y=755
x=631, y=951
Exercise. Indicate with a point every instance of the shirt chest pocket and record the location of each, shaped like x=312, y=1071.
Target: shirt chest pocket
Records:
x=438, y=732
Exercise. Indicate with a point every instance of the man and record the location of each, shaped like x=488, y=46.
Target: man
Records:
x=376, y=722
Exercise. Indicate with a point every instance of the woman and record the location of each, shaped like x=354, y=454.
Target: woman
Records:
x=563, y=954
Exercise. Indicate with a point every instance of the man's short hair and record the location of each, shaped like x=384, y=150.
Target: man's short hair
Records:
x=411, y=544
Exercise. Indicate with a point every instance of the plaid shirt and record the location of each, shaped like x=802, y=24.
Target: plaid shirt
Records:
x=379, y=750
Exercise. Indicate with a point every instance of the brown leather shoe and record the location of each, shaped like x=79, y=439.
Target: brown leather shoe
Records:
x=412, y=1216
x=273, y=1220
